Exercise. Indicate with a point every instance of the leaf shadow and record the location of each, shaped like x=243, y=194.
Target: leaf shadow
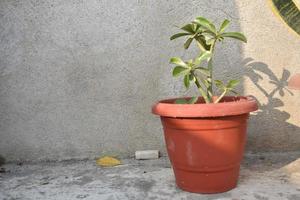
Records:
x=269, y=129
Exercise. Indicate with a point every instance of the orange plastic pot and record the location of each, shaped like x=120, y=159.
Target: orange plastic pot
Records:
x=205, y=142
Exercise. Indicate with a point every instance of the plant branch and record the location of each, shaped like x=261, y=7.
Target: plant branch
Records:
x=221, y=96
x=202, y=92
x=210, y=77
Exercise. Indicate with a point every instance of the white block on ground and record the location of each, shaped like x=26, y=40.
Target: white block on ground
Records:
x=148, y=154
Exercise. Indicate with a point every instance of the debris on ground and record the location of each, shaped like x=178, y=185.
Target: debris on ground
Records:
x=147, y=155
x=108, y=161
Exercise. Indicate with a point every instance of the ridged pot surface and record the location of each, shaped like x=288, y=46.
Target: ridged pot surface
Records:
x=206, y=152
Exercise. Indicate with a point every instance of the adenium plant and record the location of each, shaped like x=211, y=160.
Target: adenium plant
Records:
x=200, y=69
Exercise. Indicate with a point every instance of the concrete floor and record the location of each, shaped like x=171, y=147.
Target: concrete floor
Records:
x=263, y=177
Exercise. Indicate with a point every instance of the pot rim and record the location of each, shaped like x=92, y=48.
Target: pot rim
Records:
x=229, y=106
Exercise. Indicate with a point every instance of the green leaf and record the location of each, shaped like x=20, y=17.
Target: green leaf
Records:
x=178, y=70
x=220, y=38
x=232, y=83
x=202, y=43
x=208, y=35
x=192, y=78
x=178, y=35
x=181, y=101
x=195, y=27
x=189, y=62
x=188, y=43
x=224, y=25
x=205, y=82
x=192, y=100
x=205, y=23
x=203, y=56
x=199, y=29
x=210, y=41
x=186, y=81
x=178, y=61
x=219, y=84
x=188, y=28
x=235, y=35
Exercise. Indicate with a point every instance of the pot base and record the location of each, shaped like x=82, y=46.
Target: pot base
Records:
x=207, y=182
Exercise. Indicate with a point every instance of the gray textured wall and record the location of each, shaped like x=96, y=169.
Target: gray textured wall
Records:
x=78, y=78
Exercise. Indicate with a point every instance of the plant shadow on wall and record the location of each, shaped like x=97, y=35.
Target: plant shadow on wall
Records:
x=275, y=133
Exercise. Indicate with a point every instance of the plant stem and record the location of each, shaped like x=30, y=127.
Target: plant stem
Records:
x=201, y=90
x=221, y=96
x=210, y=77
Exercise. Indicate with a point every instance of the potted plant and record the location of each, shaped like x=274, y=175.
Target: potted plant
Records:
x=205, y=136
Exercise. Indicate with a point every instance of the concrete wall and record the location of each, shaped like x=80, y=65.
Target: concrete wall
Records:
x=78, y=78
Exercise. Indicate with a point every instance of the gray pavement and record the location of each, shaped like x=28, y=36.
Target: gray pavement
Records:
x=263, y=177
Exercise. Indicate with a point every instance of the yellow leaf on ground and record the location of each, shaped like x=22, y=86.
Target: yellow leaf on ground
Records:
x=108, y=161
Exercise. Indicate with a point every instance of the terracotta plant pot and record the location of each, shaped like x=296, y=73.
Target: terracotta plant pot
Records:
x=205, y=142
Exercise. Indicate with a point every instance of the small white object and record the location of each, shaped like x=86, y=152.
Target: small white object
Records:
x=146, y=155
